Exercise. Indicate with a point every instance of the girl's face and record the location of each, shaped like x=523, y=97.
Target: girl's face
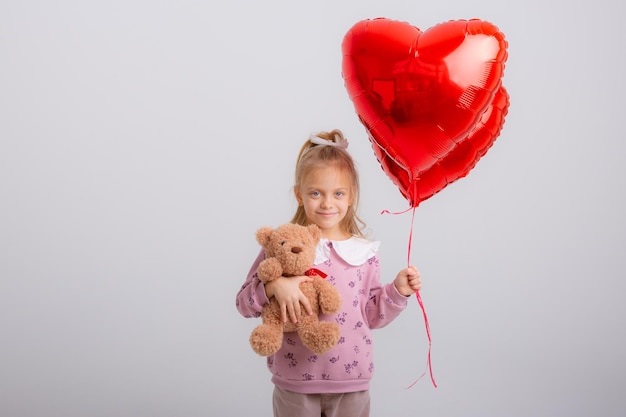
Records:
x=325, y=194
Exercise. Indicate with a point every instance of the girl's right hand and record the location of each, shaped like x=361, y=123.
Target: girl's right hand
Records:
x=290, y=298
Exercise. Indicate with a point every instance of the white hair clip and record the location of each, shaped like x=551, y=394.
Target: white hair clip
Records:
x=338, y=143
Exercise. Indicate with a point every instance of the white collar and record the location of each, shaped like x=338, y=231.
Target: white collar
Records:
x=355, y=250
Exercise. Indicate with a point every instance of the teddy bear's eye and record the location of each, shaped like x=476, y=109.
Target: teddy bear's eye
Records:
x=283, y=243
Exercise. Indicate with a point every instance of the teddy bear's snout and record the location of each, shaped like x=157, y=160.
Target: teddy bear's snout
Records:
x=296, y=249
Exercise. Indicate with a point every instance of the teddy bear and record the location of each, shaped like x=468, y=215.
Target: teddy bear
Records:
x=290, y=251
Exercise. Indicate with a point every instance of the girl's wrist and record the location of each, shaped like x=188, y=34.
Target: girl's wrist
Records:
x=271, y=286
x=401, y=290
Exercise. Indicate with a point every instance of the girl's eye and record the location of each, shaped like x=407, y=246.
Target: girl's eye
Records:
x=340, y=193
x=315, y=194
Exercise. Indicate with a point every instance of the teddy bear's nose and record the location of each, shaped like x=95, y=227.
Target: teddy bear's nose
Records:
x=296, y=249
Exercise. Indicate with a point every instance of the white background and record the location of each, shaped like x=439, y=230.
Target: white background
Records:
x=142, y=143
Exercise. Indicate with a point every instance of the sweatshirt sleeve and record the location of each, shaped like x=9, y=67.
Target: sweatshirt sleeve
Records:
x=385, y=303
x=252, y=297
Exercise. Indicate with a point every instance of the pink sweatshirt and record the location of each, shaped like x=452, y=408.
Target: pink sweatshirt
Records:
x=353, y=268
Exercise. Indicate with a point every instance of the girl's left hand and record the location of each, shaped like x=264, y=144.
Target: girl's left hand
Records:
x=408, y=281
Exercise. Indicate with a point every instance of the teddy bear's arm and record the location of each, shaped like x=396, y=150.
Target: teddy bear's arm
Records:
x=269, y=269
x=328, y=296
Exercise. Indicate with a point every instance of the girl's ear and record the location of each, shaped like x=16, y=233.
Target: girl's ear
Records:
x=296, y=193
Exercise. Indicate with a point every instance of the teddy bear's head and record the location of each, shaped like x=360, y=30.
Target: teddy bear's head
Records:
x=292, y=245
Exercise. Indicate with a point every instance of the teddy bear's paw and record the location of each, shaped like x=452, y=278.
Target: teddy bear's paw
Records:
x=321, y=337
x=266, y=340
x=329, y=298
x=269, y=269
x=330, y=303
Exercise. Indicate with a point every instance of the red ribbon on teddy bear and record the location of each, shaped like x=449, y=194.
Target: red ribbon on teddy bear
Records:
x=311, y=272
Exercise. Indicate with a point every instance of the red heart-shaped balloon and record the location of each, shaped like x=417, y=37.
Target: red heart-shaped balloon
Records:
x=432, y=102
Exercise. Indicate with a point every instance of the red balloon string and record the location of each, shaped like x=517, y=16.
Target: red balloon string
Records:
x=429, y=362
x=396, y=212
x=420, y=302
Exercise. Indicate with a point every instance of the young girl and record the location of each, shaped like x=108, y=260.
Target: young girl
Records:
x=335, y=383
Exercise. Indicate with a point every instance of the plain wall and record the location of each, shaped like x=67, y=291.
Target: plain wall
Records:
x=142, y=143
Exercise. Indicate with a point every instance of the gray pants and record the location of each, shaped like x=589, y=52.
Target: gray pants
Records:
x=293, y=404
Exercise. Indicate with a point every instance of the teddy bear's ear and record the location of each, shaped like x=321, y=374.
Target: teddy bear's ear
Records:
x=315, y=231
x=263, y=236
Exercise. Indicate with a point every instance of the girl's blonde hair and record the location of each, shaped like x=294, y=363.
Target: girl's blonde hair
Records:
x=313, y=156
